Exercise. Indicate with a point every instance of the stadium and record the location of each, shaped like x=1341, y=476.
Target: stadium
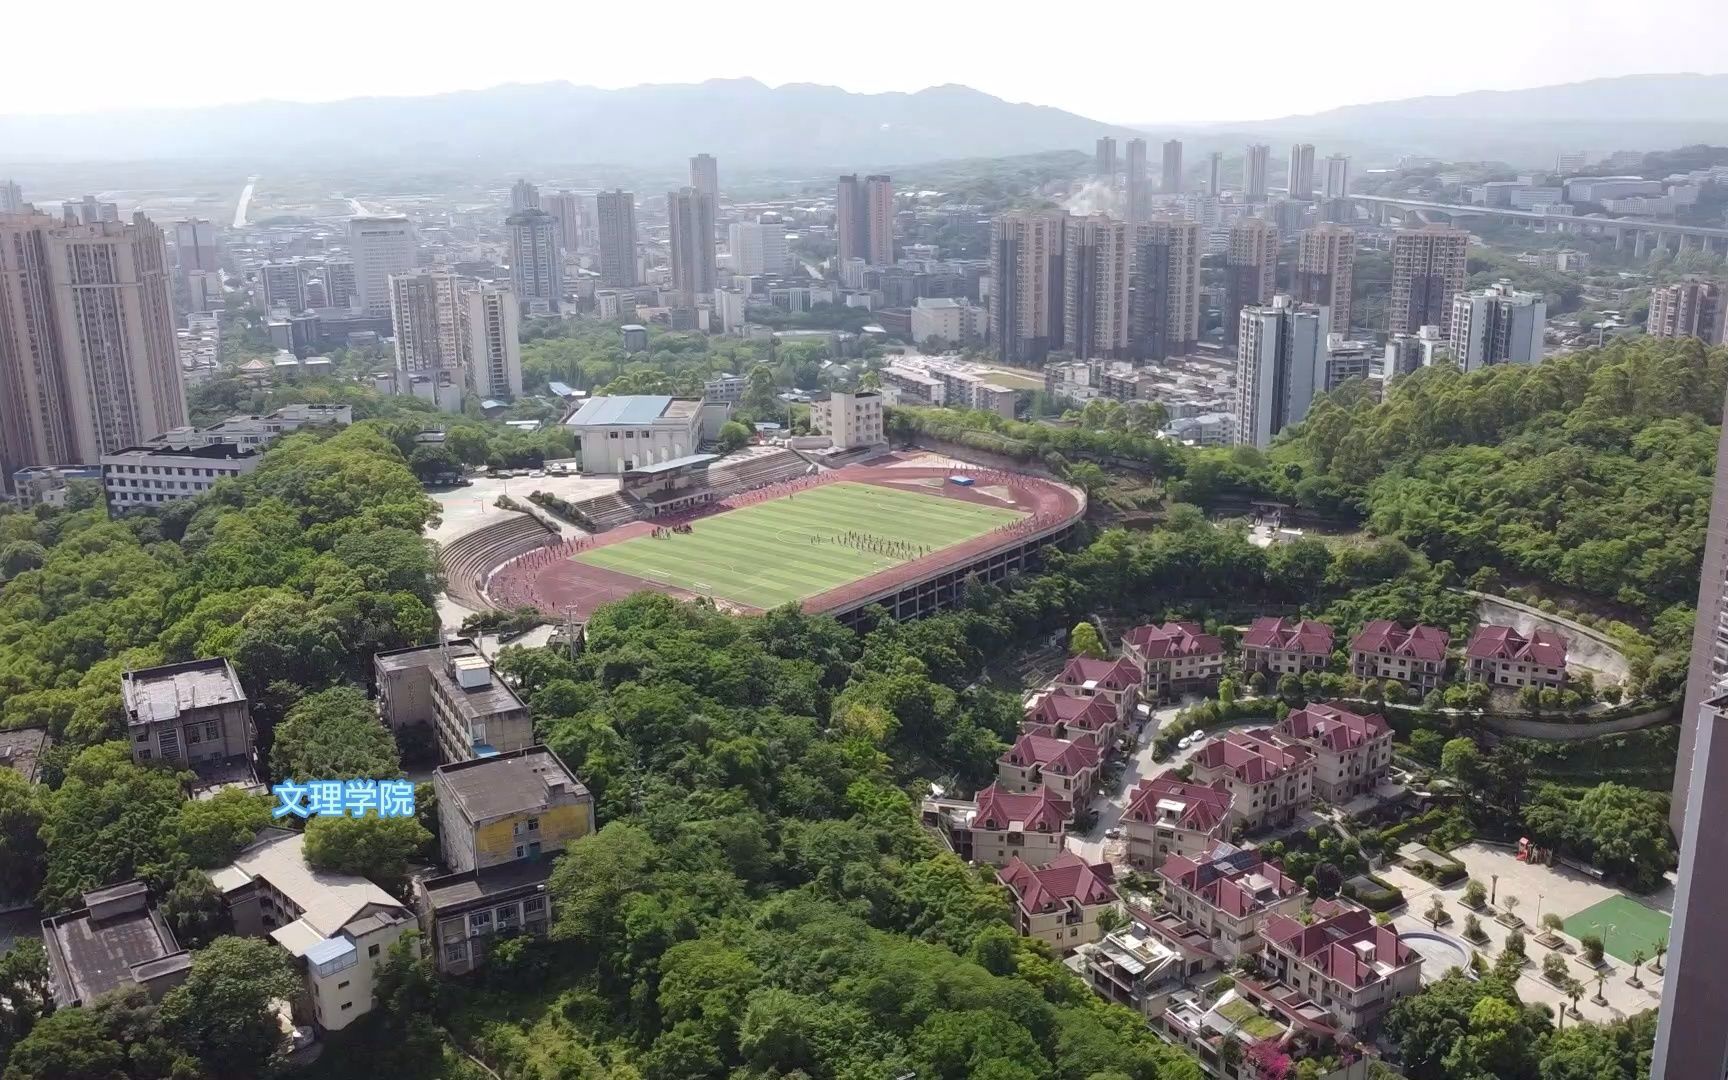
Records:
x=905, y=532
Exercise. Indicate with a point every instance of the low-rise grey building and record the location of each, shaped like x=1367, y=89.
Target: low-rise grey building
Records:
x=195, y=712
x=116, y=940
x=451, y=688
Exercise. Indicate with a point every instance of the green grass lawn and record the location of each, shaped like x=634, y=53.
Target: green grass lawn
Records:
x=1636, y=928
x=761, y=555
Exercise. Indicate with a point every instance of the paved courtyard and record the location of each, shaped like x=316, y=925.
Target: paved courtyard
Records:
x=1536, y=889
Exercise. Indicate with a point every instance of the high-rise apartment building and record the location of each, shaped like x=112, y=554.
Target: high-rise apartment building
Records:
x=1299, y=180
x=1095, y=263
x=1026, y=249
x=616, y=228
x=284, y=286
x=340, y=290
x=11, y=198
x=197, y=262
x=536, y=269
x=1250, y=270
x=1254, y=162
x=1280, y=366
x=1164, y=304
x=1691, y=307
x=493, y=348
x=705, y=176
x=1691, y=1040
x=566, y=209
x=1172, y=167
x=1215, y=173
x=1427, y=271
x=427, y=315
x=87, y=352
x=690, y=219
x=524, y=196
x=381, y=247
x=1104, y=160
x=1138, y=193
x=864, y=220
x=1336, y=183
x=1325, y=271
x=1497, y=325
x=88, y=211
x=757, y=247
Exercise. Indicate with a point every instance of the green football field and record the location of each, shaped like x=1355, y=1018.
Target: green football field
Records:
x=762, y=555
x=1624, y=925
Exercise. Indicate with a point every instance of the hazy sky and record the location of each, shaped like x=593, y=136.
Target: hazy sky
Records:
x=1113, y=60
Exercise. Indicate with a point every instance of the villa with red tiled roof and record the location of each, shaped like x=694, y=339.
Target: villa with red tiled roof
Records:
x=999, y=825
x=1116, y=681
x=1066, y=716
x=1343, y=962
x=1501, y=656
x=1415, y=657
x=1286, y=646
x=1059, y=904
x=1268, y=781
x=1067, y=766
x=1228, y=893
x=1167, y=815
x=1352, y=752
x=1174, y=657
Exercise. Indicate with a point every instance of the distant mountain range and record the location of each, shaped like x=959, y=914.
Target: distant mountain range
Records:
x=741, y=120
x=1633, y=112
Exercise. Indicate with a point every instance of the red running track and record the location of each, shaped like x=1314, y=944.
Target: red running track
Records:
x=552, y=581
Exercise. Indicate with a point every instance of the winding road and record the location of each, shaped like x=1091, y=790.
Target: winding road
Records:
x=245, y=202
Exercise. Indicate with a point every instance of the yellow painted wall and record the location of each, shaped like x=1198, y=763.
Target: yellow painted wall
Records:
x=496, y=841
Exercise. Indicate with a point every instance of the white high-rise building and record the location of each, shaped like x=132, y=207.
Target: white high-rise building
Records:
x=536, y=268
x=1497, y=325
x=1336, y=184
x=524, y=196
x=1299, y=182
x=11, y=198
x=494, y=349
x=705, y=176
x=757, y=248
x=381, y=247
x=427, y=315
x=616, y=211
x=1280, y=366
x=197, y=261
x=566, y=207
x=88, y=361
x=690, y=217
x=1254, y=172
x=284, y=287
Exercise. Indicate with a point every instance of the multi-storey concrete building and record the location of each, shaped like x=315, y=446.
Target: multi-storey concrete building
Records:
x=1167, y=815
x=1254, y=165
x=1268, y=781
x=1341, y=961
x=1497, y=325
x=1095, y=284
x=1691, y=307
x=88, y=361
x=1325, y=271
x=998, y=826
x=851, y=420
x=341, y=288
x=566, y=209
x=502, y=820
x=195, y=712
x=1280, y=366
x=1175, y=657
x=615, y=212
x=450, y=688
x=1250, y=271
x=1286, y=646
x=1229, y=894
x=617, y=434
x=1171, y=175
x=1060, y=903
x=141, y=477
x=757, y=248
x=1164, y=304
x=494, y=347
x=1299, y=176
x=283, y=285
x=1336, y=181
x=864, y=219
x=117, y=941
x=1351, y=752
x=1104, y=160
x=382, y=247
x=1137, y=190
x=197, y=261
x=1215, y=173
x=427, y=313
x=524, y=196
x=690, y=221
x=1026, y=305
x=1415, y=657
x=1427, y=272
x=705, y=176
x=1503, y=656
x=11, y=198
x=536, y=268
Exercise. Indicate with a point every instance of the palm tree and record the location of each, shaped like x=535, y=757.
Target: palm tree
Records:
x=1511, y=906
x=1436, y=912
x=1661, y=948
x=1638, y=959
x=1574, y=990
x=1601, y=977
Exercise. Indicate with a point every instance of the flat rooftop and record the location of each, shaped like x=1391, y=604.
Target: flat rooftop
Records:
x=421, y=656
x=512, y=783
x=453, y=891
x=164, y=693
x=88, y=957
x=21, y=749
x=631, y=409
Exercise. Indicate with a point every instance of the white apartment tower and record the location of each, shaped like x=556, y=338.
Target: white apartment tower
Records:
x=1138, y=191
x=705, y=176
x=566, y=209
x=1300, y=178
x=284, y=286
x=1427, y=272
x=1095, y=264
x=1172, y=167
x=1336, y=183
x=536, y=268
x=381, y=247
x=1254, y=163
x=616, y=225
x=427, y=314
x=757, y=248
x=524, y=196
x=1497, y=325
x=1280, y=366
x=87, y=350
x=1026, y=248
x=1250, y=269
x=690, y=220
x=494, y=351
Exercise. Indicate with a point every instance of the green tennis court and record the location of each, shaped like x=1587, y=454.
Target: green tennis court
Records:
x=763, y=555
x=1624, y=925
